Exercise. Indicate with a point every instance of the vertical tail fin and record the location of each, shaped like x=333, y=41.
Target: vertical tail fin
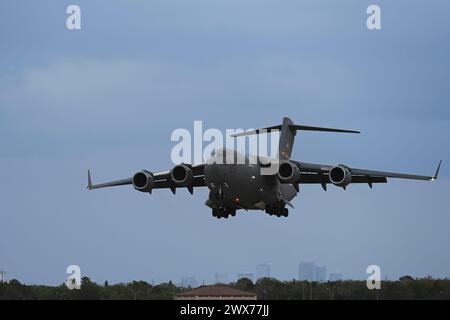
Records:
x=287, y=138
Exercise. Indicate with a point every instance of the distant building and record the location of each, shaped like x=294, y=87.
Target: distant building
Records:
x=189, y=282
x=247, y=275
x=335, y=277
x=2, y=276
x=221, y=278
x=217, y=292
x=307, y=271
x=263, y=270
x=321, y=274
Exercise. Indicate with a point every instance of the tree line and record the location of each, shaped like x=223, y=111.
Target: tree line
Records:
x=265, y=288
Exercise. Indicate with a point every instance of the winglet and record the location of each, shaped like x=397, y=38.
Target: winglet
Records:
x=89, y=186
x=437, y=171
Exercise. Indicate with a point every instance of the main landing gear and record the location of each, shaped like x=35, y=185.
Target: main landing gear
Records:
x=223, y=212
x=279, y=212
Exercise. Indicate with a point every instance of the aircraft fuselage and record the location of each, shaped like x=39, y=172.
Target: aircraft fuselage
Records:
x=241, y=186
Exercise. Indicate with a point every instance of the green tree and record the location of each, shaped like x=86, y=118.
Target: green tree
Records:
x=244, y=284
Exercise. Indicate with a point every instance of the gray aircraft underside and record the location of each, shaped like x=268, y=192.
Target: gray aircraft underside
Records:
x=242, y=186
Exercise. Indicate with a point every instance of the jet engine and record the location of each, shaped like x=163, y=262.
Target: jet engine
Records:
x=143, y=181
x=340, y=176
x=181, y=174
x=288, y=172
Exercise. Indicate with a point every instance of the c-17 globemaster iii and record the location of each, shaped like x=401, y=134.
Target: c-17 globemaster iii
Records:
x=242, y=186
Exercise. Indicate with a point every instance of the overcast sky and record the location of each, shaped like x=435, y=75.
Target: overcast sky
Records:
x=107, y=97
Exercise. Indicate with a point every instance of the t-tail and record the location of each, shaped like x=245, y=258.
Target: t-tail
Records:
x=288, y=131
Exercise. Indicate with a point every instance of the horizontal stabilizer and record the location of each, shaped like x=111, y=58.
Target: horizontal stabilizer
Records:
x=309, y=128
x=257, y=131
x=294, y=127
x=287, y=132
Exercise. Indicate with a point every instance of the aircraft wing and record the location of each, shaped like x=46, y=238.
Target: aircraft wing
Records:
x=162, y=180
x=318, y=173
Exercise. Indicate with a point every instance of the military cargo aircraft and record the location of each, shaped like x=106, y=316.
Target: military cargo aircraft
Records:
x=242, y=186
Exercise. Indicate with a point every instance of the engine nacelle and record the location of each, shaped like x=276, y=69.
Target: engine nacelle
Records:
x=181, y=174
x=288, y=172
x=340, y=176
x=143, y=181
